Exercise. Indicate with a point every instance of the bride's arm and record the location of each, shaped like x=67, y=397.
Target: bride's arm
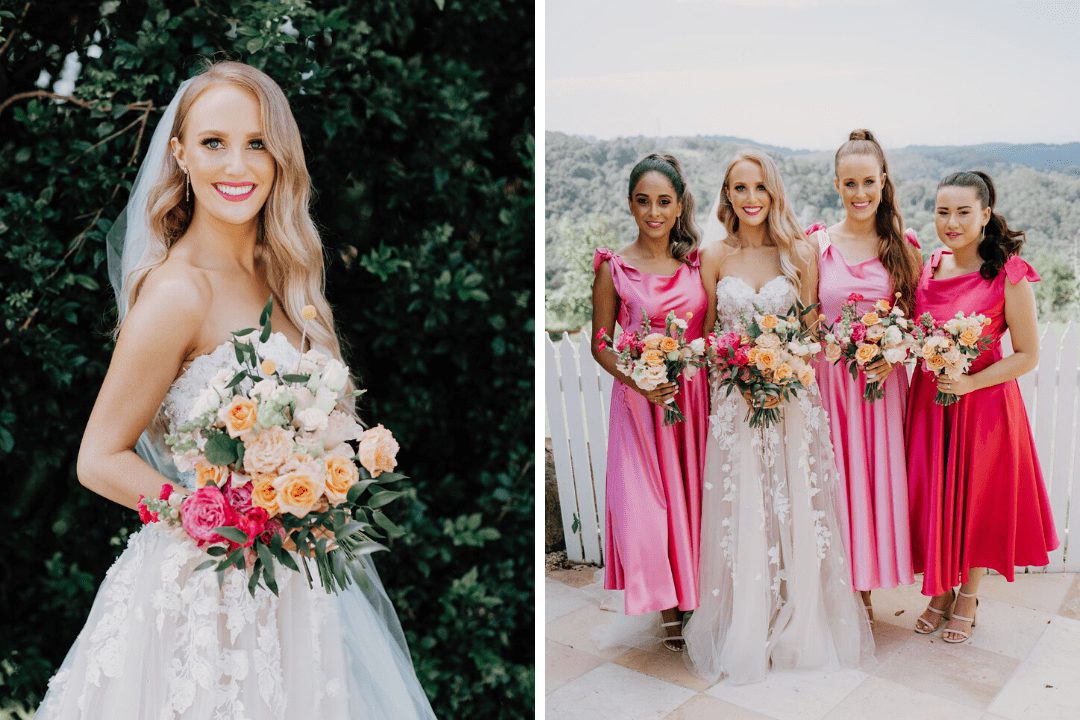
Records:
x=158, y=333
x=806, y=253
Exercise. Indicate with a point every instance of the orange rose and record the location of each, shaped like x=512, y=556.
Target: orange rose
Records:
x=832, y=352
x=652, y=357
x=378, y=450
x=341, y=474
x=969, y=338
x=806, y=377
x=239, y=416
x=668, y=344
x=751, y=354
x=207, y=474
x=652, y=341
x=264, y=495
x=883, y=305
x=298, y=493
x=783, y=373
x=865, y=353
x=768, y=321
x=870, y=318
x=935, y=363
x=766, y=359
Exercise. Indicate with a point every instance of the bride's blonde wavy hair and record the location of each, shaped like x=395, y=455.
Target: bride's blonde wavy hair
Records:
x=780, y=225
x=288, y=243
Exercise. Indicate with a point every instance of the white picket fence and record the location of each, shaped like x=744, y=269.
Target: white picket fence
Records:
x=578, y=392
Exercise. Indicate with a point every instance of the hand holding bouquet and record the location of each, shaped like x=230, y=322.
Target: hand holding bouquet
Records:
x=859, y=339
x=769, y=360
x=652, y=359
x=950, y=347
x=280, y=463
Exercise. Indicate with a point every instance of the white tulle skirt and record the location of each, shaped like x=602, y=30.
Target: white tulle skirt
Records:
x=775, y=585
x=165, y=642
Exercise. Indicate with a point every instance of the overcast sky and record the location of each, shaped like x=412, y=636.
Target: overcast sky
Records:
x=802, y=73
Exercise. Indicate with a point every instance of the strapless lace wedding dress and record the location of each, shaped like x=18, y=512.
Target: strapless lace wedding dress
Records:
x=774, y=578
x=164, y=642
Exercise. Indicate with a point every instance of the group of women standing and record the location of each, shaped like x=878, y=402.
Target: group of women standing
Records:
x=776, y=538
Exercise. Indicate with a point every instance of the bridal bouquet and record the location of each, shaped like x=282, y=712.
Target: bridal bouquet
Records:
x=858, y=339
x=280, y=464
x=950, y=347
x=652, y=359
x=770, y=358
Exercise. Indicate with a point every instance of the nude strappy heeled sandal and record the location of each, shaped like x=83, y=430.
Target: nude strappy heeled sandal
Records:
x=963, y=636
x=670, y=641
x=923, y=626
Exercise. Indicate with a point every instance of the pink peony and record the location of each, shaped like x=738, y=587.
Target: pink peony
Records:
x=204, y=510
x=238, y=496
x=858, y=333
x=742, y=356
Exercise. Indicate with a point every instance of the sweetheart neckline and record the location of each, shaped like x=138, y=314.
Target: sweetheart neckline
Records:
x=749, y=286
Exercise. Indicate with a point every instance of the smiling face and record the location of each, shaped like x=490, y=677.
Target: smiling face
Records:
x=859, y=180
x=222, y=149
x=747, y=192
x=655, y=206
x=959, y=217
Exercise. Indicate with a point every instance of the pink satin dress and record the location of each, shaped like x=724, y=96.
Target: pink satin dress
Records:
x=976, y=491
x=653, y=513
x=868, y=438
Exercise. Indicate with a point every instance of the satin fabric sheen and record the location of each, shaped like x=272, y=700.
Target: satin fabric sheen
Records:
x=868, y=438
x=976, y=491
x=653, y=496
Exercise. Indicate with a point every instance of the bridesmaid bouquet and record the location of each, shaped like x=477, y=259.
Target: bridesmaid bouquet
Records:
x=280, y=464
x=653, y=359
x=770, y=358
x=858, y=339
x=950, y=347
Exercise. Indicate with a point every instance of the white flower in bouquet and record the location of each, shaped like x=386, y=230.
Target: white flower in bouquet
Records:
x=312, y=419
x=264, y=389
x=268, y=450
x=698, y=346
x=340, y=427
x=220, y=379
x=335, y=375
x=326, y=399
x=894, y=355
x=208, y=401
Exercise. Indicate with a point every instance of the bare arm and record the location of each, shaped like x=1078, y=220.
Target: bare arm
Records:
x=711, y=260
x=1024, y=331
x=605, y=310
x=807, y=258
x=158, y=333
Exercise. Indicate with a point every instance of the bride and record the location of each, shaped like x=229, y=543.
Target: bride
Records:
x=773, y=577
x=217, y=222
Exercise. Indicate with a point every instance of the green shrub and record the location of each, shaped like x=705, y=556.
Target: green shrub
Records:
x=417, y=125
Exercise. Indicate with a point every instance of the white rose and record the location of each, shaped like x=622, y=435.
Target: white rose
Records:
x=698, y=346
x=311, y=361
x=895, y=355
x=893, y=336
x=207, y=401
x=335, y=375
x=343, y=450
x=303, y=398
x=339, y=428
x=680, y=323
x=264, y=389
x=312, y=420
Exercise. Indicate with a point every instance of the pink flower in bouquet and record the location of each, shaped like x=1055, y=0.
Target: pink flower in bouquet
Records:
x=204, y=510
x=267, y=450
x=238, y=496
x=742, y=356
x=624, y=341
x=273, y=526
x=855, y=297
x=253, y=524
x=145, y=515
x=858, y=333
x=378, y=450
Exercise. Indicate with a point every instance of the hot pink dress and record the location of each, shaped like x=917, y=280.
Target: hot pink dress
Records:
x=654, y=470
x=976, y=492
x=868, y=438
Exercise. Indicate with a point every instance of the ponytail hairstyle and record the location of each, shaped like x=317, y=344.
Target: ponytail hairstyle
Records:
x=685, y=235
x=901, y=259
x=999, y=243
x=781, y=228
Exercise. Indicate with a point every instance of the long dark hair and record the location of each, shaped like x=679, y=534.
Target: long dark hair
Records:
x=900, y=258
x=999, y=243
x=685, y=235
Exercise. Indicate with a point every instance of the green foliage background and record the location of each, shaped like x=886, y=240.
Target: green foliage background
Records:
x=1038, y=189
x=417, y=123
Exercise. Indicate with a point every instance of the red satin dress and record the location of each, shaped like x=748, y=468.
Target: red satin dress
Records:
x=976, y=492
x=653, y=513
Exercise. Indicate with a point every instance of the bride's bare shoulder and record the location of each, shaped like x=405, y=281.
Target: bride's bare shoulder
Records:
x=175, y=293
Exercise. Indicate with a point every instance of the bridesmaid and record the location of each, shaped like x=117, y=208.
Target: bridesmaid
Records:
x=868, y=253
x=653, y=470
x=976, y=491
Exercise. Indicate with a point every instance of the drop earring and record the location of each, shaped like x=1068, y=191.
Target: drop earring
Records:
x=187, y=187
